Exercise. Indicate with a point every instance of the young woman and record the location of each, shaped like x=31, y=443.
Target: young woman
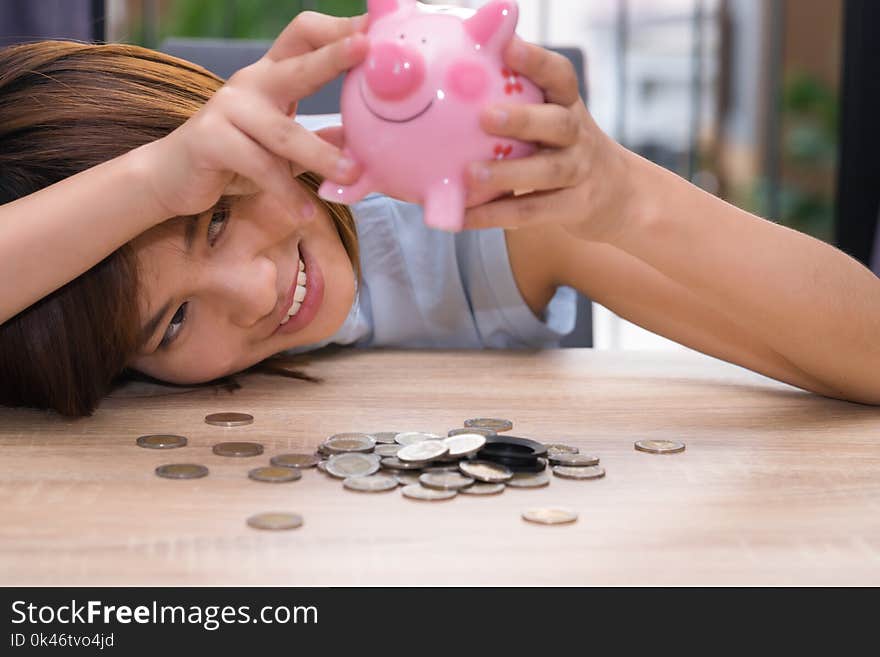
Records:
x=155, y=219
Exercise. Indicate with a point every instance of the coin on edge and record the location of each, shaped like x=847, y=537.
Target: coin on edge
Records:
x=375, y=483
x=295, y=460
x=237, y=449
x=445, y=480
x=495, y=424
x=577, y=460
x=343, y=443
x=275, y=474
x=411, y=437
x=572, y=472
x=275, y=521
x=229, y=419
x=659, y=446
x=182, y=471
x=486, y=471
x=419, y=492
x=464, y=444
x=550, y=515
x=394, y=463
x=427, y=450
x=161, y=441
x=481, y=488
x=529, y=480
x=488, y=433
x=351, y=465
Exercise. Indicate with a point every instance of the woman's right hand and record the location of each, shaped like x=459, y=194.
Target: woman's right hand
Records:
x=245, y=139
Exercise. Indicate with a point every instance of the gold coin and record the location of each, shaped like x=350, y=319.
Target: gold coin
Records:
x=486, y=471
x=445, y=480
x=529, y=480
x=275, y=474
x=659, y=446
x=427, y=450
x=550, y=515
x=560, y=449
x=182, y=471
x=161, y=441
x=375, y=483
x=229, y=419
x=481, y=488
x=488, y=433
x=344, y=443
x=238, y=449
x=571, y=472
x=295, y=460
x=419, y=492
x=576, y=460
x=275, y=521
x=495, y=424
x=351, y=465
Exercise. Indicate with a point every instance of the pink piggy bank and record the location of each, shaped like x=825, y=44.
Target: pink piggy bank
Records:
x=411, y=110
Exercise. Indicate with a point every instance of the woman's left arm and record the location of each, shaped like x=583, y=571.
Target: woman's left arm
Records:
x=745, y=289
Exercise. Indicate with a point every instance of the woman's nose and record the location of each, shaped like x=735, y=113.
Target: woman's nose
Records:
x=249, y=289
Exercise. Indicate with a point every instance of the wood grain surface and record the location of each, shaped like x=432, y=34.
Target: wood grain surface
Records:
x=777, y=486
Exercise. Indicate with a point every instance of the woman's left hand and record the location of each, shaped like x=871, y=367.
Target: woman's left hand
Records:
x=578, y=176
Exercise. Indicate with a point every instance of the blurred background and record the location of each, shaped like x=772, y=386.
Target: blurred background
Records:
x=742, y=97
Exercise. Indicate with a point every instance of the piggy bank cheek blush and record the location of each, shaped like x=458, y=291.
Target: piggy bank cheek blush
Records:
x=411, y=110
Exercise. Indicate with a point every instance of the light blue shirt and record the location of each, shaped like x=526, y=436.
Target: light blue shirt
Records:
x=423, y=288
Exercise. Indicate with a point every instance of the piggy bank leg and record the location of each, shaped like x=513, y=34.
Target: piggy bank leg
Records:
x=444, y=206
x=347, y=194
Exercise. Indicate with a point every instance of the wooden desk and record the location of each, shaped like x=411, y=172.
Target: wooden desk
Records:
x=777, y=486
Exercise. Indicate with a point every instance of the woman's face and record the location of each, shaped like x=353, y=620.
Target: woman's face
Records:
x=220, y=288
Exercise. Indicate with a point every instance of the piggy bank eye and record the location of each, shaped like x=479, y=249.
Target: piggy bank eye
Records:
x=424, y=40
x=402, y=35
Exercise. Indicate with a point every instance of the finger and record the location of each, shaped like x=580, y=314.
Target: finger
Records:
x=551, y=71
x=519, y=211
x=287, y=139
x=333, y=135
x=551, y=125
x=311, y=30
x=550, y=169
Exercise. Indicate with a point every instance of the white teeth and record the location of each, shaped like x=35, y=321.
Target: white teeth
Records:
x=294, y=309
x=301, y=279
x=299, y=293
x=302, y=265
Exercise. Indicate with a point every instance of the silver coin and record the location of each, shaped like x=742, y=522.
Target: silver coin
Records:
x=660, y=446
x=572, y=472
x=558, y=448
x=394, y=463
x=481, y=488
x=445, y=480
x=322, y=466
x=485, y=471
x=345, y=443
x=161, y=441
x=387, y=450
x=237, y=449
x=385, y=437
x=229, y=419
x=351, y=465
x=406, y=478
x=437, y=467
x=464, y=444
x=575, y=460
x=550, y=515
x=529, y=480
x=182, y=471
x=275, y=474
x=275, y=521
x=419, y=492
x=488, y=433
x=412, y=437
x=427, y=450
x=375, y=483
x=493, y=423
x=295, y=460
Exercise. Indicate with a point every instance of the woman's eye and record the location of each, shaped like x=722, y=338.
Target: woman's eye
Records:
x=217, y=224
x=174, y=325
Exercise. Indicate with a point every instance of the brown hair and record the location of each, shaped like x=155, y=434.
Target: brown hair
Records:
x=66, y=107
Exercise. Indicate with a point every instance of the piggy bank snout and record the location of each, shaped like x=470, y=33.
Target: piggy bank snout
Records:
x=394, y=71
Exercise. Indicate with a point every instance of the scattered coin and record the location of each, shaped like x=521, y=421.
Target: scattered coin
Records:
x=343, y=443
x=407, y=478
x=488, y=433
x=550, y=515
x=387, y=450
x=480, y=488
x=161, y=441
x=394, y=463
x=576, y=460
x=445, y=480
x=229, y=419
x=412, y=437
x=375, y=483
x=659, y=446
x=419, y=492
x=351, y=465
x=529, y=480
x=275, y=474
x=295, y=460
x=464, y=444
x=486, y=471
x=275, y=521
x=182, y=471
x=322, y=466
x=238, y=449
x=561, y=449
x=427, y=450
x=385, y=437
x=495, y=424
x=571, y=472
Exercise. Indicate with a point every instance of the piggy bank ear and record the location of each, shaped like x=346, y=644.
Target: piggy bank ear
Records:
x=379, y=8
x=493, y=25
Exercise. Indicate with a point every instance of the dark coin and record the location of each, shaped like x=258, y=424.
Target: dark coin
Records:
x=275, y=474
x=229, y=419
x=238, y=449
x=161, y=441
x=182, y=471
x=295, y=460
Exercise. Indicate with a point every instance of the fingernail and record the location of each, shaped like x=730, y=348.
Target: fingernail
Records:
x=498, y=117
x=345, y=166
x=518, y=52
x=481, y=172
